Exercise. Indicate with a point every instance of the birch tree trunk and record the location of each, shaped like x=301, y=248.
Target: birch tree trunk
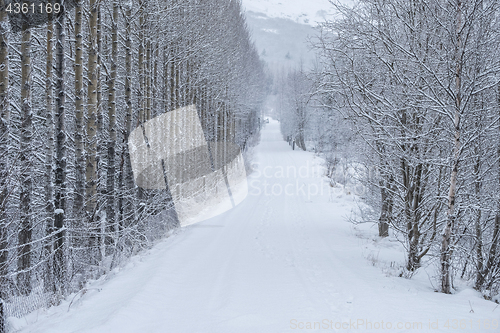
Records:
x=110, y=207
x=4, y=141
x=491, y=264
x=49, y=158
x=91, y=133
x=148, y=79
x=451, y=214
x=386, y=207
x=126, y=175
x=25, y=158
x=142, y=80
x=477, y=221
x=100, y=171
x=79, y=154
x=141, y=118
x=155, y=96
x=60, y=177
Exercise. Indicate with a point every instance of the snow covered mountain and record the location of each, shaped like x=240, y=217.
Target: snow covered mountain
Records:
x=301, y=11
x=281, y=42
x=281, y=29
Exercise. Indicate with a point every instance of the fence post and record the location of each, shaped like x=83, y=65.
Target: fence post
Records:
x=3, y=328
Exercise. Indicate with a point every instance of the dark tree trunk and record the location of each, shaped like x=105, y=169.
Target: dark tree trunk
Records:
x=49, y=159
x=60, y=177
x=4, y=144
x=110, y=207
x=385, y=211
x=25, y=158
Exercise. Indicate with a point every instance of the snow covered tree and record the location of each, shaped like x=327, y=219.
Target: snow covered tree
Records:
x=412, y=78
x=79, y=193
x=91, y=126
x=111, y=154
x=68, y=202
x=297, y=91
x=49, y=155
x=25, y=158
x=4, y=143
x=60, y=187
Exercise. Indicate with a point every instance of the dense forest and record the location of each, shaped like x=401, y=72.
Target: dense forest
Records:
x=402, y=104
x=71, y=92
x=405, y=100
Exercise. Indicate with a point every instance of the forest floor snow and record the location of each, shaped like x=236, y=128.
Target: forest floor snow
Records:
x=284, y=260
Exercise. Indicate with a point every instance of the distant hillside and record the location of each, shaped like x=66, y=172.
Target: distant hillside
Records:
x=281, y=28
x=281, y=42
x=300, y=11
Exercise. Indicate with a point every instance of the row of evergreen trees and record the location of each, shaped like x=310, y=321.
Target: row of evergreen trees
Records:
x=71, y=92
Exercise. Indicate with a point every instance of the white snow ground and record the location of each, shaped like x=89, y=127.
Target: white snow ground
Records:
x=273, y=264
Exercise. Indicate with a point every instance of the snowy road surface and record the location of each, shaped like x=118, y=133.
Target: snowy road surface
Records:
x=276, y=263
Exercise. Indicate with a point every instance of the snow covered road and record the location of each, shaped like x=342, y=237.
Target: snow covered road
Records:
x=284, y=260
